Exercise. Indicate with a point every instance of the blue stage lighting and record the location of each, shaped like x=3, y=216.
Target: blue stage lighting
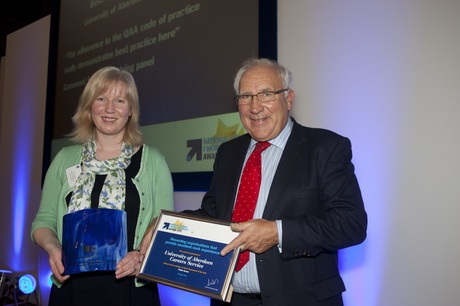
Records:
x=27, y=284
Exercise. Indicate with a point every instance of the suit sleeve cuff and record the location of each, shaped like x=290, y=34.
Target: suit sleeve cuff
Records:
x=279, y=226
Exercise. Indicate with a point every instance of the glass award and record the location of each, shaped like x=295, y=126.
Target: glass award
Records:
x=93, y=240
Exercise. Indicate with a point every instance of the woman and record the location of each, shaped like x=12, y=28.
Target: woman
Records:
x=117, y=171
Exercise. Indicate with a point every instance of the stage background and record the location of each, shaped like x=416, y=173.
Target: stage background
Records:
x=384, y=73
x=183, y=56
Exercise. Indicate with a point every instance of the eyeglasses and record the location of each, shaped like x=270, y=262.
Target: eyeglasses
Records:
x=264, y=96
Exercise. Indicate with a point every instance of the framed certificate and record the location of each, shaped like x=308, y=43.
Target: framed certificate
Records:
x=185, y=253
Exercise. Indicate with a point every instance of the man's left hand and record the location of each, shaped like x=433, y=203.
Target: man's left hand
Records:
x=256, y=235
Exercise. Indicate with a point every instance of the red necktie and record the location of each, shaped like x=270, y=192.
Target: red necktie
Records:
x=248, y=192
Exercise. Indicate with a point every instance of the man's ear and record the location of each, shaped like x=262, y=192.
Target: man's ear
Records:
x=290, y=98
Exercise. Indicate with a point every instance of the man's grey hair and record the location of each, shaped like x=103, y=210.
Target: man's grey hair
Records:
x=284, y=74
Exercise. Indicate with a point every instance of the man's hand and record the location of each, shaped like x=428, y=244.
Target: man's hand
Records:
x=256, y=235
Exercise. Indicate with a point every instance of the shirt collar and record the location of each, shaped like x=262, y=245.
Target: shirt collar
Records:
x=280, y=140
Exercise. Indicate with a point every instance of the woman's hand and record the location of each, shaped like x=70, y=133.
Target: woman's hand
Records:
x=55, y=261
x=47, y=240
x=129, y=265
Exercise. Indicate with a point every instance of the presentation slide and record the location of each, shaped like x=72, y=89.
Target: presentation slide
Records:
x=183, y=55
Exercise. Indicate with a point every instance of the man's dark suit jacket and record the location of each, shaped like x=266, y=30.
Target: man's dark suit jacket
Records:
x=316, y=195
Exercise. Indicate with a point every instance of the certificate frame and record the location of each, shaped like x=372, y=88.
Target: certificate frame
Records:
x=184, y=253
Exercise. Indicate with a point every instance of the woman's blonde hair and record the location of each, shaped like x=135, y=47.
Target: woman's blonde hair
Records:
x=84, y=128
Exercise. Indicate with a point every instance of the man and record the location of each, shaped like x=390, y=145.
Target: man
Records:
x=309, y=205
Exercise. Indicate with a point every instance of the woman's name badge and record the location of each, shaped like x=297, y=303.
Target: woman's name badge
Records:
x=72, y=174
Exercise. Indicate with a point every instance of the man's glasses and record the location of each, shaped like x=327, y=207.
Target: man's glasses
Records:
x=264, y=96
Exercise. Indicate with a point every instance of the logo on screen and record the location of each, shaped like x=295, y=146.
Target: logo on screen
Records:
x=206, y=148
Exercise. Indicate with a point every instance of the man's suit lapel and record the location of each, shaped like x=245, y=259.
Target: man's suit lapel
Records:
x=291, y=155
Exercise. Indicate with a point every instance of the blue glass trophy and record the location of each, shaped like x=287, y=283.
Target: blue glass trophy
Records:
x=93, y=240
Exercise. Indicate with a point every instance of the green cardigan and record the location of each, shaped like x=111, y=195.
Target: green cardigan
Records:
x=153, y=182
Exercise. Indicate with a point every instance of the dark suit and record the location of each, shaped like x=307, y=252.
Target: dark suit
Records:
x=316, y=195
